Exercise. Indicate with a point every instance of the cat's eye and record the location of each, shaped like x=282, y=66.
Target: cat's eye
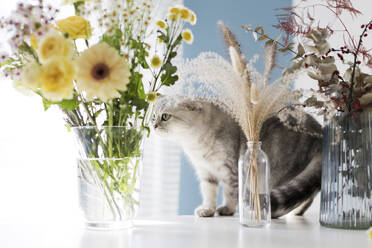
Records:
x=165, y=117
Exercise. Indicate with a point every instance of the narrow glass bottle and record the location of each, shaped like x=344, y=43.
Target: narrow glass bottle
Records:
x=254, y=191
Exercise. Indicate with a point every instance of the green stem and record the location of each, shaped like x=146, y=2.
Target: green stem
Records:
x=110, y=134
x=99, y=183
x=356, y=53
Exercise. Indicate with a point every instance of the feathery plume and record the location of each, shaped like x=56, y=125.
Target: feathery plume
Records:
x=231, y=41
x=235, y=61
x=269, y=62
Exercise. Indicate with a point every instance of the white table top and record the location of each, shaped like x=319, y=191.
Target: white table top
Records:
x=182, y=231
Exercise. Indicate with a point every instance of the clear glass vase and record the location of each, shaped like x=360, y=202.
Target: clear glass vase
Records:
x=346, y=196
x=108, y=162
x=254, y=191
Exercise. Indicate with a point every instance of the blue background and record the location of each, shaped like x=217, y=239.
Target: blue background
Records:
x=207, y=37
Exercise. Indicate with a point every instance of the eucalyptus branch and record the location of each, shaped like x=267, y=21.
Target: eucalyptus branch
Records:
x=356, y=53
x=269, y=38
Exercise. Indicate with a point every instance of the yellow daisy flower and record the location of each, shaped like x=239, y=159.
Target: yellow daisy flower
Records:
x=161, y=24
x=174, y=13
x=54, y=44
x=185, y=13
x=56, y=79
x=156, y=61
x=102, y=72
x=192, y=18
x=151, y=96
x=187, y=36
x=174, y=10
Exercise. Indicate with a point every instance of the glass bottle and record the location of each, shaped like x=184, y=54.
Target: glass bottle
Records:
x=254, y=190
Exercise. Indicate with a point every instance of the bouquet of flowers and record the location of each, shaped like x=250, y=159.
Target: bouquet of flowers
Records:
x=103, y=67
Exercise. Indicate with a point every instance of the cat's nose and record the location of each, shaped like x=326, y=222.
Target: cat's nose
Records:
x=156, y=126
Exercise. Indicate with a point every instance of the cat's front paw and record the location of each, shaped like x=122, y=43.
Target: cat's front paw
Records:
x=225, y=211
x=204, y=211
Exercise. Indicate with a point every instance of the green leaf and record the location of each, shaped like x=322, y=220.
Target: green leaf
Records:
x=172, y=55
x=277, y=38
x=300, y=51
x=113, y=40
x=269, y=43
x=176, y=42
x=263, y=37
x=258, y=29
x=46, y=104
x=163, y=37
x=68, y=127
x=65, y=104
x=168, y=78
x=369, y=61
x=286, y=48
x=69, y=104
x=77, y=7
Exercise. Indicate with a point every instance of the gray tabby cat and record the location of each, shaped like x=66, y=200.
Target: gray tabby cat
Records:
x=214, y=141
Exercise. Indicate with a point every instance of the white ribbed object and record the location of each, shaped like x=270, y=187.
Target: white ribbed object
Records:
x=160, y=178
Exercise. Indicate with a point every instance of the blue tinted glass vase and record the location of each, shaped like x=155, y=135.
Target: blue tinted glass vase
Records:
x=346, y=196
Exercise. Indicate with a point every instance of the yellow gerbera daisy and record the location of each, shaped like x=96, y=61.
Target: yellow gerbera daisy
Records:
x=156, y=61
x=161, y=24
x=56, y=79
x=54, y=44
x=192, y=18
x=187, y=36
x=102, y=72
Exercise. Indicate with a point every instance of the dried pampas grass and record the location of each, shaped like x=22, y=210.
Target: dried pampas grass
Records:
x=239, y=89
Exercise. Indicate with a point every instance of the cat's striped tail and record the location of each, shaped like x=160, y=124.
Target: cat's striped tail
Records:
x=299, y=190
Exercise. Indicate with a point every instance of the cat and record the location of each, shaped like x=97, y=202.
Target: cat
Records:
x=214, y=141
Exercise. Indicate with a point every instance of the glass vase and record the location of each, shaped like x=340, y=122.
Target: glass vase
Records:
x=346, y=200
x=108, y=162
x=254, y=191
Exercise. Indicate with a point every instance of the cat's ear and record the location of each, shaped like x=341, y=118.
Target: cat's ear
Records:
x=192, y=106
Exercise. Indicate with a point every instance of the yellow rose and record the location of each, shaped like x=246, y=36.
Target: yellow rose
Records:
x=57, y=79
x=30, y=76
x=54, y=44
x=75, y=26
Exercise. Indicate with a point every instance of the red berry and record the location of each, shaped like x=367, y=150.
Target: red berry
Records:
x=358, y=62
x=340, y=56
x=362, y=26
x=365, y=35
